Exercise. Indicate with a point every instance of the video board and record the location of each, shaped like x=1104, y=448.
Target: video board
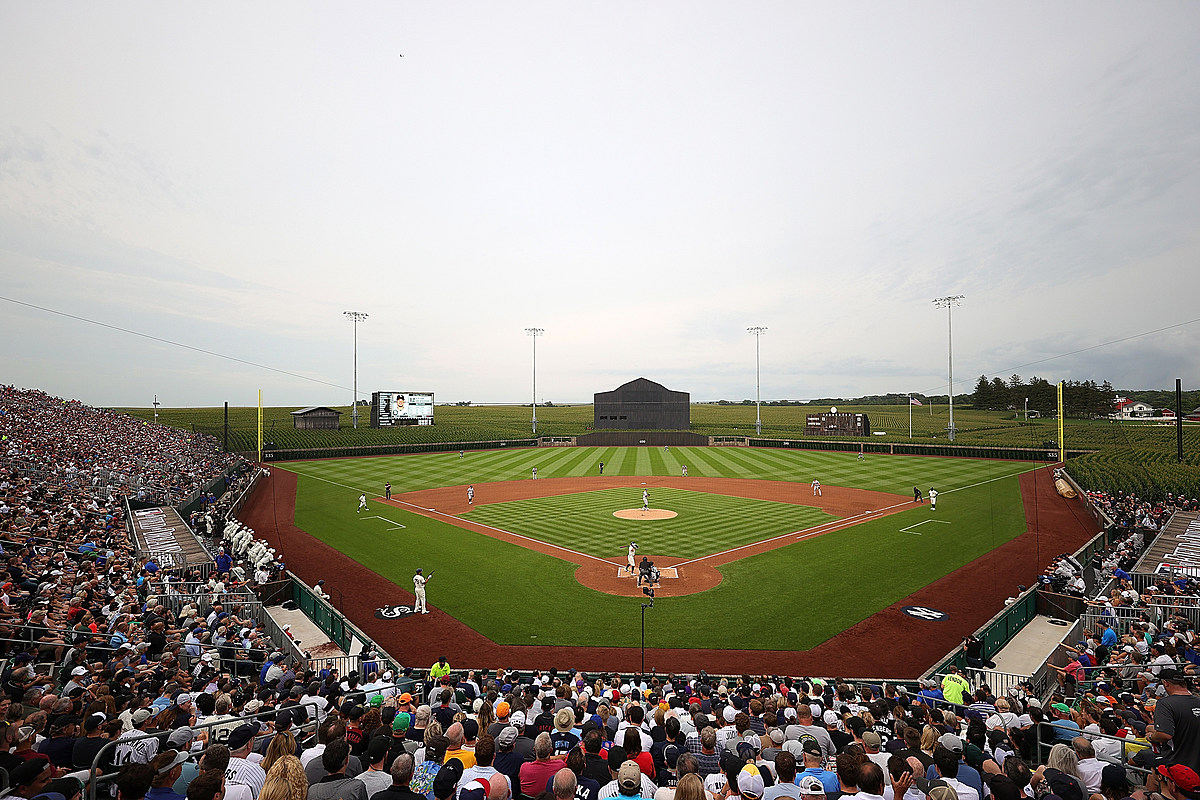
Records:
x=401, y=408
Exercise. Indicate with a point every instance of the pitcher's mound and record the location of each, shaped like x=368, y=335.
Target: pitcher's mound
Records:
x=637, y=513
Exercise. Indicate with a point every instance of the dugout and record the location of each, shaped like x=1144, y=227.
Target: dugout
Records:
x=317, y=418
x=642, y=404
x=841, y=423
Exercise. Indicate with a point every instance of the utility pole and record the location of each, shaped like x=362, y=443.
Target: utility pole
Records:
x=948, y=303
x=757, y=333
x=355, y=317
x=535, y=333
x=156, y=404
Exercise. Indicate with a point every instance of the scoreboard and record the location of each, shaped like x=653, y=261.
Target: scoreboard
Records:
x=842, y=423
x=401, y=408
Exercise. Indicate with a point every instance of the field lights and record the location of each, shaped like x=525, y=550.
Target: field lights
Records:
x=948, y=303
x=535, y=333
x=355, y=317
x=757, y=333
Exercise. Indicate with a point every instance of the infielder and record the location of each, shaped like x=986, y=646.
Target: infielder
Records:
x=632, y=549
x=419, y=582
x=816, y=484
x=387, y=490
x=933, y=499
x=362, y=502
x=917, y=495
x=645, y=500
x=470, y=495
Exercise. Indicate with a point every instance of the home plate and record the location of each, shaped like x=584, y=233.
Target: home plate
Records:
x=665, y=572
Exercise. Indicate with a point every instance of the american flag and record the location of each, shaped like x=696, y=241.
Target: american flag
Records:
x=912, y=401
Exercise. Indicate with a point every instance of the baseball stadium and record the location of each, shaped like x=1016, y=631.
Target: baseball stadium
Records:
x=858, y=456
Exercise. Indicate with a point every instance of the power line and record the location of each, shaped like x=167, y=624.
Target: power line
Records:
x=1128, y=338
x=172, y=343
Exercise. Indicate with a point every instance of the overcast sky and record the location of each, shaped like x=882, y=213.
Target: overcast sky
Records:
x=642, y=180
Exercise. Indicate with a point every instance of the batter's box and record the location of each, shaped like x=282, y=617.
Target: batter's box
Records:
x=665, y=572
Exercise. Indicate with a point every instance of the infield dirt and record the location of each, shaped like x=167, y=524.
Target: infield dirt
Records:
x=887, y=644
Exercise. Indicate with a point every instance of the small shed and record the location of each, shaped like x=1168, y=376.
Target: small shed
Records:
x=317, y=418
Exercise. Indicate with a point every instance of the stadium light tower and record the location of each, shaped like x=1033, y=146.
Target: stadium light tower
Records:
x=757, y=333
x=535, y=333
x=949, y=303
x=355, y=317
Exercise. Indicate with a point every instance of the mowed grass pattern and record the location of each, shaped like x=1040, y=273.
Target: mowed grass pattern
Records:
x=517, y=596
x=897, y=474
x=706, y=523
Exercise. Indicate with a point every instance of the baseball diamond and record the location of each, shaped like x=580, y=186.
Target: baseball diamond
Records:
x=519, y=566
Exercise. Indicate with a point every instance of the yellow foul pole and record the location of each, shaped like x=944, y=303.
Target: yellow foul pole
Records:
x=1062, y=446
x=260, y=425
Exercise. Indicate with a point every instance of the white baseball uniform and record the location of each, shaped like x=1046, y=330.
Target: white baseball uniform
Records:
x=419, y=590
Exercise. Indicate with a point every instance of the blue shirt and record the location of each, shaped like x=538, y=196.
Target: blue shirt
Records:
x=1109, y=639
x=1065, y=730
x=828, y=779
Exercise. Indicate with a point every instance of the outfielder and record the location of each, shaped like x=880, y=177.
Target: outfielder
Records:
x=632, y=549
x=535, y=473
x=685, y=470
x=419, y=582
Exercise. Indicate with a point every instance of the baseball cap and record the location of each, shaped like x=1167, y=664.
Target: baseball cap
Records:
x=950, y=742
x=447, y=779
x=1062, y=708
x=476, y=789
x=812, y=747
x=405, y=697
x=26, y=773
x=777, y=736
x=1063, y=785
x=75, y=673
x=507, y=736
x=167, y=761
x=811, y=784
x=872, y=739
x=730, y=713
x=943, y=792
x=671, y=755
x=378, y=748
x=242, y=735
x=629, y=776
x=181, y=737
x=750, y=781
x=471, y=728
x=518, y=719
x=503, y=709
x=401, y=722
x=1181, y=775
x=140, y=716
x=1171, y=674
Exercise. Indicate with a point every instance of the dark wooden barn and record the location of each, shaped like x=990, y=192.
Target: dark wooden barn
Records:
x=317, y=418
x=642, y=405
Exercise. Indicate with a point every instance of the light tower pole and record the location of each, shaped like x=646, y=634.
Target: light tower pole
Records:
x=949, y=303
x=535, y=333
x=355, y=317
x=757, y=333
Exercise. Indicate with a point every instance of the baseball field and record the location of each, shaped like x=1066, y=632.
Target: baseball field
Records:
x=755, y=566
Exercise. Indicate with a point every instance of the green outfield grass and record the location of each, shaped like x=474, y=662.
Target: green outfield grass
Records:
x=706, y=523
x=823, y=584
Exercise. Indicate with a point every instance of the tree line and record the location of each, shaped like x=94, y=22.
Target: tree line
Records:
x=1080, y=398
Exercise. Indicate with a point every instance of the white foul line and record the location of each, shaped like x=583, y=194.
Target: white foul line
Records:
x=507, y=533
x=845, y=522
x=922, y=522
x=385, y=519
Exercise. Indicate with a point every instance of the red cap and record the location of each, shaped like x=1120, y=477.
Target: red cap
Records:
x=1181, y=775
